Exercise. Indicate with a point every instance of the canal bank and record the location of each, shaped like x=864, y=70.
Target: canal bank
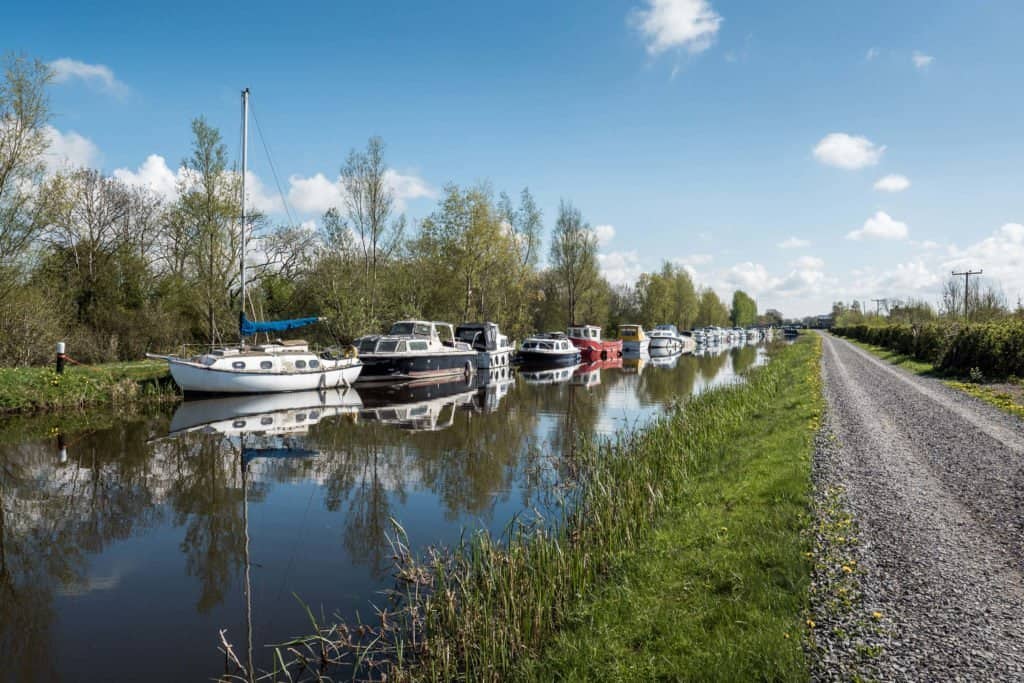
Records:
x=684, y=556
x=35, y=389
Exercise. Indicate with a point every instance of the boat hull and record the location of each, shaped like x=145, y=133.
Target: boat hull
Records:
x=636, y=346
x=501, y=358
x=197, y=379
x=591, y=350
x=535, y=359
x=408, y=367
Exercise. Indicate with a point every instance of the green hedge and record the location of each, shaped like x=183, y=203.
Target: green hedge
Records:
x=994, y=349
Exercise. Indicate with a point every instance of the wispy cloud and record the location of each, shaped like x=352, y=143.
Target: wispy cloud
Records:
x=793, y=243
x=690, y=25
x=872, y=53
x=97, y=76
x=921, y=60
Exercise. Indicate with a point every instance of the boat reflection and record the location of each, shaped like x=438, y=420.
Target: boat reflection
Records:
x=548, y=376
x=419, y=407
x=633, y=363
x=665, y=357
x=266, y=414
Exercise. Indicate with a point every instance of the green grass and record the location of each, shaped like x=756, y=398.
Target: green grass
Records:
x=993, y=394
x=681, y=553
x=718, y=591
x=37, y=389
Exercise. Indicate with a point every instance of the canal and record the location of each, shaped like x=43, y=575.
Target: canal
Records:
x=124, y=541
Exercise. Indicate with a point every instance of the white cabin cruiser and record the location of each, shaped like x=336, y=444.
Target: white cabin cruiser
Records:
x=665, y=337
x=548, y=350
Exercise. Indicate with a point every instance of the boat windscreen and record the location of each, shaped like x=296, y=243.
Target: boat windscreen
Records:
x=418, y=329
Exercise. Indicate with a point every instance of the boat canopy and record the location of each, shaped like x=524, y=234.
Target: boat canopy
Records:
x=247, y=327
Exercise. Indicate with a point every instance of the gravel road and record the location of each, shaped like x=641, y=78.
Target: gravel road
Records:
x=935, y=480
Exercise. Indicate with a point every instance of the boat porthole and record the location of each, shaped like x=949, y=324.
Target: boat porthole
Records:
x=604, y=355
x=468, y=369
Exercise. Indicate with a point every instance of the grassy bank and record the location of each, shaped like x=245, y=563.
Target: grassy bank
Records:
x=1007, y=395
x=111, y=384
x=682, y=555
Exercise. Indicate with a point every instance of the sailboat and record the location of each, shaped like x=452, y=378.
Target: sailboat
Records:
x=261, y=368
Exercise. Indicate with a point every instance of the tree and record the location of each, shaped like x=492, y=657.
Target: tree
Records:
x=525, y=223
x=24, y=113
x=208, y=210
x=710, y=309
x=744, y=309
x=573, y=257
x=369, y=204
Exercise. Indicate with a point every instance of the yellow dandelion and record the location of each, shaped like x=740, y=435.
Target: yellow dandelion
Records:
x=876, y=615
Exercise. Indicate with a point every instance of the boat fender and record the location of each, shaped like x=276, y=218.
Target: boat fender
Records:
x=351, y=352
x=468, y=369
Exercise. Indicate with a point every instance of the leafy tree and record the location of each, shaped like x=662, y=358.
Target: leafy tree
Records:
x=24, y=113
x=574, y=258
x=744, y=309
x=710, y=309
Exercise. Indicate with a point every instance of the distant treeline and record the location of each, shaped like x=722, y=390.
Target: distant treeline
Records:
x=117, y=270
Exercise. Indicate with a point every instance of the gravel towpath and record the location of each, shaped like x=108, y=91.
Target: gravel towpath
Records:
x=935, y=481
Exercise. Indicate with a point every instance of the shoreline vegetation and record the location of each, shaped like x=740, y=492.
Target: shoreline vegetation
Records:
x=1006, y=394
x=41, y=389
x=679, y=551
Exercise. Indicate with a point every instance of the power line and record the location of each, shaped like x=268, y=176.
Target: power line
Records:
x=967, y=287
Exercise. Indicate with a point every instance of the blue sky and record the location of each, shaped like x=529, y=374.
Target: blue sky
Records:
x=708, y=132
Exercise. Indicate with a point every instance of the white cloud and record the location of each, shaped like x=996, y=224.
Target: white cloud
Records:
x=69, y=150
x=880, y=226
x=892, y=183
x=315, y=194
x=751, y=277
x=808, y=263
x=620, y=267
x=872, y=53
x=685, y=24
x=604, y=233
x=406, y=187
x=95, y=75
x=921, y=60
x=847, y=151
x=153, y=174
x=793, y=243
x=1001, y=255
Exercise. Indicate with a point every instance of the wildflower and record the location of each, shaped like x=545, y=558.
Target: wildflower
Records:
x=810, y=623
x=847, y=569
x=876, y=615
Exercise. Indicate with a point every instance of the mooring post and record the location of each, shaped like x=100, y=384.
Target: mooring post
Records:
x=60, y=358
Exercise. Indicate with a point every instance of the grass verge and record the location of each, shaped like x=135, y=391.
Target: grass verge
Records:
x=682, y=553
x=1008, y=396
x=39, y=389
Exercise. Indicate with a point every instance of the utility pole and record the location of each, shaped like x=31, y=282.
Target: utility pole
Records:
x=878, y=305
x=967, y=282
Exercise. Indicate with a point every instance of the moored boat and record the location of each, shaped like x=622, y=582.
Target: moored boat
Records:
x=492, y=347
x=587, y=338
x=415, y=350
x=547, y=350
x=665, y=337
x=271, y=367
x=634, y=339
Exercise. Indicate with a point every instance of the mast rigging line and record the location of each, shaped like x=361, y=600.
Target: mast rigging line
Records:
x=273, y=167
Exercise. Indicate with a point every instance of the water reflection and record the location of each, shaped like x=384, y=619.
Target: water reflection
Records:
x=139, y=527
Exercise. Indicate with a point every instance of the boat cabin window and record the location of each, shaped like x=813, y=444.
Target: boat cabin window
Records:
x=301, y=417
x=300, y=364
x=530, y=345
x=417, y=329
x=417, y=346
x=314, y=363
x=238, y=424
x=266, y=364
x=238, y=365
x=367, y=345
x=266, y=420
x=388, y=346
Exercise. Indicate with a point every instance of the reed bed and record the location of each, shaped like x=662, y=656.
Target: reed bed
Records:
x=487, y=608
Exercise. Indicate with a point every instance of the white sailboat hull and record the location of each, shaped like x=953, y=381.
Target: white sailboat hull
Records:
x=195, y=378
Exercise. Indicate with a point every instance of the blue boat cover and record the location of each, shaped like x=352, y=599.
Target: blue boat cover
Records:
x=250, y=327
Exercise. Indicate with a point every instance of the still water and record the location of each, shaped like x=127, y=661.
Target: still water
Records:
x=123, y=540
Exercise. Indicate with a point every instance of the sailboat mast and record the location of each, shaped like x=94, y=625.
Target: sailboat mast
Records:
x=245, y=151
